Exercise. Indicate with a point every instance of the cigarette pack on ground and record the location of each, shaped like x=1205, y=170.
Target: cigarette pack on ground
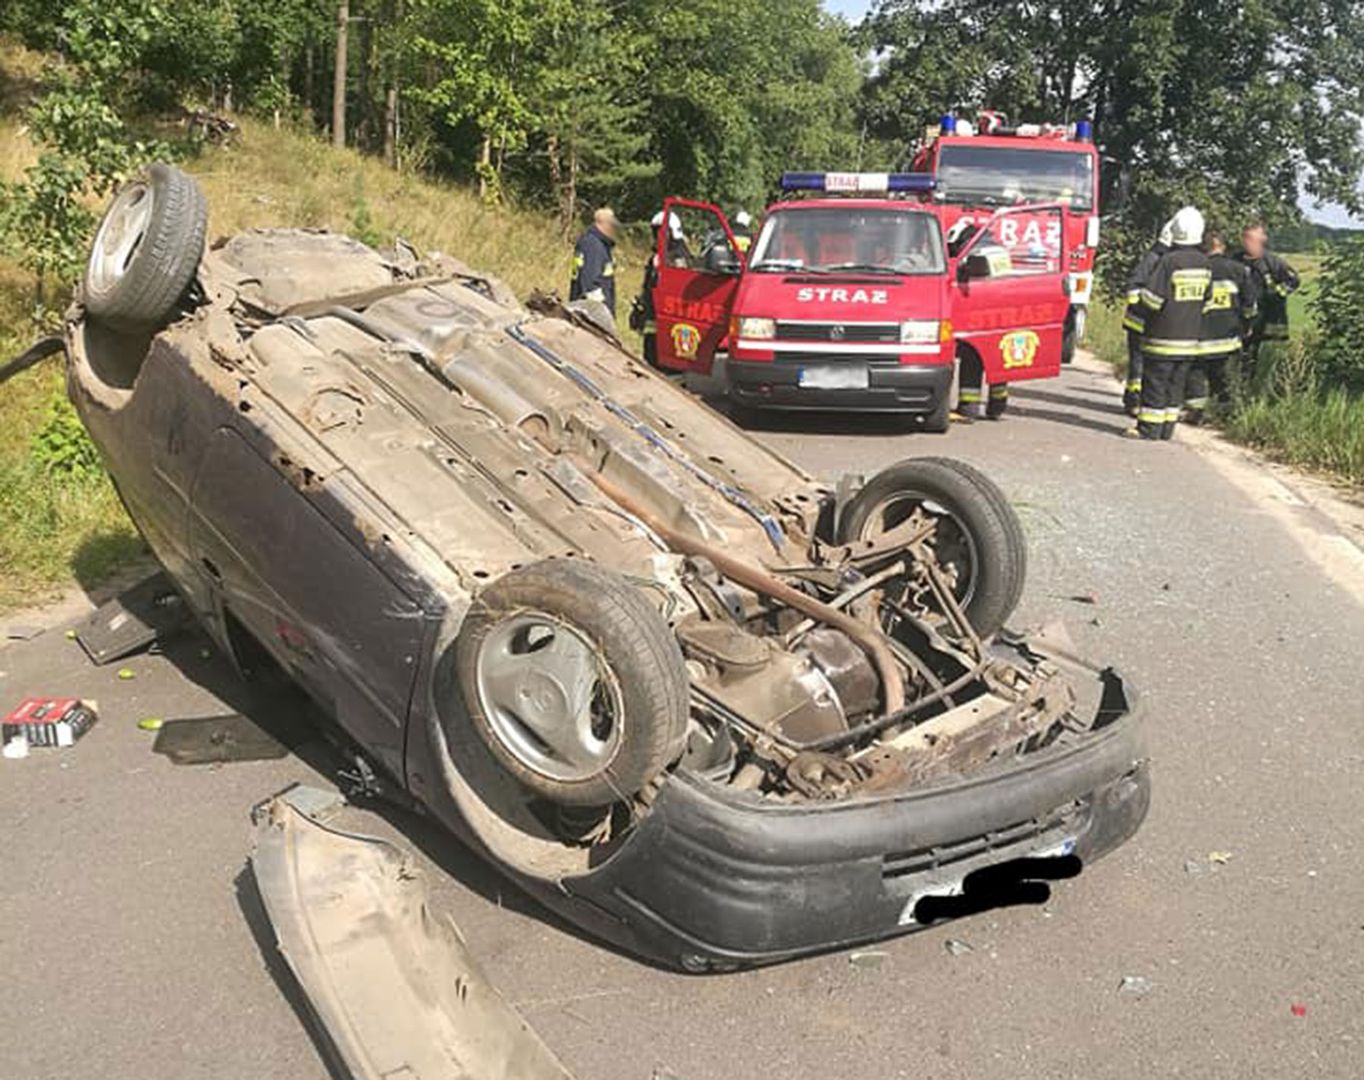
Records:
x=48, y=721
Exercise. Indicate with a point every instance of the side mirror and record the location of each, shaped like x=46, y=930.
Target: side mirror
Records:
x=721, y=260
x=975, y=265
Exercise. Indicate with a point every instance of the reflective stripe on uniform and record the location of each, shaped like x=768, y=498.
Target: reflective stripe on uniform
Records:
x=1152, y=300
x=970, y=397
x=650, y=327
x=1172, y=415
x=1134, y=296
x=1196, y=402
x=1151, y=416
x=998, y=392
x=1134, y=385
x=1170, y=346
x=1218, y=346
x=1133, y=321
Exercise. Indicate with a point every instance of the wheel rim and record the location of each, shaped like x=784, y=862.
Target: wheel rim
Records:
x=120, y=235
x=549, y=696
x=953, y=544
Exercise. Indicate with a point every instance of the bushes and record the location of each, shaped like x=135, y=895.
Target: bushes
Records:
x=1339, y=308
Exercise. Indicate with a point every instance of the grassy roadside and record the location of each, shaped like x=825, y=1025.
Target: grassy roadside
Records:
x=58, y=528
x=1284, y=413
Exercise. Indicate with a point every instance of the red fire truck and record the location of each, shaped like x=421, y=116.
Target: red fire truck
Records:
x=853, y=298
x=979, y=167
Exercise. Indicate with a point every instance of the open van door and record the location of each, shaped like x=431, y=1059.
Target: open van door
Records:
x=1011, y=293
x=698, y=274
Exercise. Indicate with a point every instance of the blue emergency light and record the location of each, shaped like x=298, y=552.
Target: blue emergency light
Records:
x=856, y=183
x=948, y=125
x=1084, y=131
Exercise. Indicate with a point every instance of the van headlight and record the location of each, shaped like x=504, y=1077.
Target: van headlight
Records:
x=761, y=329
x=920, y=332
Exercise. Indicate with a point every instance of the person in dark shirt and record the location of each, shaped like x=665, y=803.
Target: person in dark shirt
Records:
x=594, y=271
x=1228, y=315
x=1274, y=280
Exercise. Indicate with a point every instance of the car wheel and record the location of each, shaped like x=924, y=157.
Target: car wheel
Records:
x=573, y=681
x=980, y=539
x=146, y=251
x=940, y=419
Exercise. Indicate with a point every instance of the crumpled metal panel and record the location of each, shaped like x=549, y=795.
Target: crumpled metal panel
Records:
x=396, y=991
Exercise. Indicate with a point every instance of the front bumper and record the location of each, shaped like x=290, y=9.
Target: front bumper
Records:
x=910, y=388
x=712, y=880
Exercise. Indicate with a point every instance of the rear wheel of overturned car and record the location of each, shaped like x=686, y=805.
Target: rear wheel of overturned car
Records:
x=573, y=681
x=979, y=541
x=146, y=251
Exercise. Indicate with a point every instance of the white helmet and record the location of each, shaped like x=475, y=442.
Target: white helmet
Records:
x=675, y=227
x=1186, y=228
x=656, y=221
x=743, y=219
x=1167, y=233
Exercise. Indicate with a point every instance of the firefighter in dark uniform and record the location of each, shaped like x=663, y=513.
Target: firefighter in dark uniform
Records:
x=1133, y=317
x=1172, y=325
x=1274, y=279
x=1228, y=315
x=642, y=315
x=594, y=271
x=743, y=231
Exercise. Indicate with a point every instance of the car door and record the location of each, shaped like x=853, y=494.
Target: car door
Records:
x=1011, y=292
x=698, y=276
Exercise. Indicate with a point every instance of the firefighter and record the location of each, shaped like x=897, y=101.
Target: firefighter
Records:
x=594, y=271
x=1172, y=325
x=1228, y=314
x=1132, y=320
x=743, y=231
x=642, y=316
x=1274, y=280
x=976, y=397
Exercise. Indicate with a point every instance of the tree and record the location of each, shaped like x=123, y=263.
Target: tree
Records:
x=1237, y=106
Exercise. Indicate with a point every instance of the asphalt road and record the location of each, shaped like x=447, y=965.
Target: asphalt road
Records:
x=131, y=942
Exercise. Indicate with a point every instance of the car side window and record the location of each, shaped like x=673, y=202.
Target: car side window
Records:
x=1022, y=242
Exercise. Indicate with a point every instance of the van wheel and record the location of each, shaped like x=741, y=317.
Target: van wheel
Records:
x=573, y=681
x=980, y=540
x=146, y=252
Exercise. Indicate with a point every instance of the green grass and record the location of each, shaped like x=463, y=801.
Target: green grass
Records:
x=57, y=529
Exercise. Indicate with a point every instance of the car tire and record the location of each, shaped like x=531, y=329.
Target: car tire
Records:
x=1070, y=339
x=146, y=252
x=986, y=543
x=573, y=682
x=940, y=419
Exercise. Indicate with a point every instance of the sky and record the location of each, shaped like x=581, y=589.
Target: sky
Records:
x=1330, y=214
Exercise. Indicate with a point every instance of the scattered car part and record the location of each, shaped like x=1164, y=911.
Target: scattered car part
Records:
x=149, y=611
x=392, y=984
x=212, y=740
x=389, y=477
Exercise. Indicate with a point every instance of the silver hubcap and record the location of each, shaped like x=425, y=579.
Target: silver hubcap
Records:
x=549, y=696
x=119, y=236
x=953, y=544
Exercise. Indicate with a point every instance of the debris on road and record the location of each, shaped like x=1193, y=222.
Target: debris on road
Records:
x=151, y=723
x=209, y=740
x=1219, y=858
x=134, y=620
x=349, y=914
x=127, y=673
x=15, y=748
x=1298, y=1009
x=22, y=632
x=867, y=959
x=957, y=948
x=315, y=803
x=48, y=722
x=1135, y=985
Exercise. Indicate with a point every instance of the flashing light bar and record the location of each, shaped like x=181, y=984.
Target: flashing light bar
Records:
x=854, y=183
x=993, y=124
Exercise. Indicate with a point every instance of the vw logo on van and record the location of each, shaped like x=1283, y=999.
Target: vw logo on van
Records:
x=836, y=333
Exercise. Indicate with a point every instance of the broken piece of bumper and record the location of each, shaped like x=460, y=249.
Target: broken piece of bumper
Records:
x=713, y=880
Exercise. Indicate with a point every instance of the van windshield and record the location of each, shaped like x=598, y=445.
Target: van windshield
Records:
x=1007, y=176
x=830, y=239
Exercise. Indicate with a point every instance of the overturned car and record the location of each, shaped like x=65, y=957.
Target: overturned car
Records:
x=693, y=699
